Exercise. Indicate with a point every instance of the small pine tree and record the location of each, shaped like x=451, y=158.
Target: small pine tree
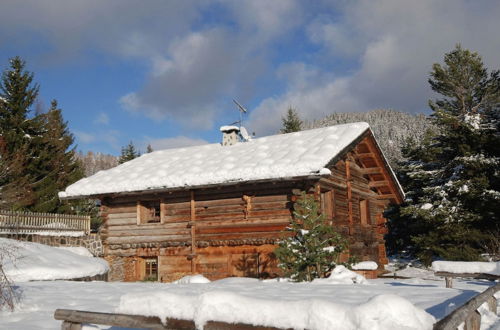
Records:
x=128, y=153
x=291, y=122
x=314, y=246
x=149, y=149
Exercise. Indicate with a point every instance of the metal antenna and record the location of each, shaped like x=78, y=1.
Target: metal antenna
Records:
x=241, y=109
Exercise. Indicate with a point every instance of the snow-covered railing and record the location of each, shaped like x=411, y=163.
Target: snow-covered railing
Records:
x=43, y=223
x=469, y=314
x=466, y=269
x=73, y=320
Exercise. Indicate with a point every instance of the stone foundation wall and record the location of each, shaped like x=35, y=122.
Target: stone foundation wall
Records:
x=91, y=242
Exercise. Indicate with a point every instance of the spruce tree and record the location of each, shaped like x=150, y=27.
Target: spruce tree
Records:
x=57, y=166
x=128, y=153
x=455, y=190
x=149, y=148
x=291, y=122
x=312, y=247
x=19, y=133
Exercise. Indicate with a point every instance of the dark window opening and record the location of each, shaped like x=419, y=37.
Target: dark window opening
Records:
x=151, y=269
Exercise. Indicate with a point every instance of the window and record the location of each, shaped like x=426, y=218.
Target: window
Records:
x=328, y=204
x=151, y=269
x=149, y=212
x=364, y=212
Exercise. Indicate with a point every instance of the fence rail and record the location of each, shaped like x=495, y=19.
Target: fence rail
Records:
x=12, y=222
x=468, y=314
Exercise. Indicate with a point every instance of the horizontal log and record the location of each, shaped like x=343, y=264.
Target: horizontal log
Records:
x=118, y=320
x=130, y=215
x=229, y=236
x=120, y=222
x=146, y=232
x=375, y=184
x=371, y=170
x=122, y=209
x=240, y=228
x=147, y=239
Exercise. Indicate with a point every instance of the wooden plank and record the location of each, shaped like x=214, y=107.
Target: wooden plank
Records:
x=463, y=313
x=193, y=233
x=117, y=320
x=147, y=239
x=241, y=229
x=146, y=232
x=371, y=170
x=375, y=184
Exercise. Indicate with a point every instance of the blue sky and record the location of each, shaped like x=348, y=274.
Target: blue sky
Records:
x=165, y=72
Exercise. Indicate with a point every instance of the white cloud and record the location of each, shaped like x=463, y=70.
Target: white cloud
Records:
x=174, y=142
x=102, y=119
x=394, y=43
x=84, y=137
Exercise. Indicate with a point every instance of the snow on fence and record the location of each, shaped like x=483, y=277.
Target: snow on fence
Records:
x=14, y=222
x=73, y=320
x=468, y=317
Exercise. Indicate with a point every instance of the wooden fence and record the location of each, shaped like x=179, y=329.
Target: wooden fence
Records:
x=468, y=314
x=42, y=223
x=73, y=320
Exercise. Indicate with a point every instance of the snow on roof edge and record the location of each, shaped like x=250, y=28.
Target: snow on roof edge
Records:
x=328, y=143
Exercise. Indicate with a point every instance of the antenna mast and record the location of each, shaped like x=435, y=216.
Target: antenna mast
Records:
x=241, y=110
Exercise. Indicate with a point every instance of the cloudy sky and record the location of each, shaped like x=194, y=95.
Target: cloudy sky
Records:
x=165, y=72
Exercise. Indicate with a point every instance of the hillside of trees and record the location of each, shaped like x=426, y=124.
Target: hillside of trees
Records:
x=93, y=162
x=391, y=128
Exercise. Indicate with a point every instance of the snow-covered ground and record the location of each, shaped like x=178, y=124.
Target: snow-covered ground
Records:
x=344, y=301
x=35, y=262
x=41, y=299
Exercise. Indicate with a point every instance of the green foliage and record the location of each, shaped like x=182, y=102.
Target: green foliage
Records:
x=129, y=152
x=35, y=149
x=452, y=179
x=312, y=247
x=291, y=122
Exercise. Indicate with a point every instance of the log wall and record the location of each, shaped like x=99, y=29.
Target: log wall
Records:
x=220, y=232
x=232, y=230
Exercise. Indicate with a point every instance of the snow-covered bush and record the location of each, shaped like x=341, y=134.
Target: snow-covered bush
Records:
x=8, y=296
x=312, y=247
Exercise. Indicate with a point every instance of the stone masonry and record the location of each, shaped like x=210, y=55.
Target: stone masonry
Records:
x=91, y=242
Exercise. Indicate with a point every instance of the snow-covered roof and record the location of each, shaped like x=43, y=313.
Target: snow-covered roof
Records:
x=298, y=154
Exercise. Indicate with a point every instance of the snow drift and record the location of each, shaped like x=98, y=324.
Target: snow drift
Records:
x=38, y=262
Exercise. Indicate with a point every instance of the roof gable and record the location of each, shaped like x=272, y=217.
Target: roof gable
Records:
x=281, y=156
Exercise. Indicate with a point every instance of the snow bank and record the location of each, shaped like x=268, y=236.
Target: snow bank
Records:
x=35, y=262
x=379, y=312
x=79, y=250
x=188, y=279
x=342, y=275
x=365, y=265
x=279, y=156
x=458, y=267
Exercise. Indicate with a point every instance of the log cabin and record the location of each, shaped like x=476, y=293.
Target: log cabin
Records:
x=220, y=209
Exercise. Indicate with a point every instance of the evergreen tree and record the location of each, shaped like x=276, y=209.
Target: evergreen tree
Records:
x=56, y=166
x=455, y=184
x=128, y=153
x=291, y=122
x=149, y=148
x=313, y=248
x=19, y=133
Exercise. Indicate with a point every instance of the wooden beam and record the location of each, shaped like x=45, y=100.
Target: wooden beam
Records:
x=375, y=184
x=193, y=233
x=366, y=155
x=386, y=196
x=371, y=170
x=349, y=194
